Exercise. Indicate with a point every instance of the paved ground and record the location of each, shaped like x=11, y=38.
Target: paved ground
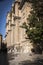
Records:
x=26, y=59
x=20, y=59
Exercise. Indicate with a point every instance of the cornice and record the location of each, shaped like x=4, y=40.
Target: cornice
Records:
x=17, y=17
x=9, y=30
x=12, y=24
x=6, y=34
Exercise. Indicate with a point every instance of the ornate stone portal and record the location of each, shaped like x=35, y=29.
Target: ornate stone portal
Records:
x=15, y=35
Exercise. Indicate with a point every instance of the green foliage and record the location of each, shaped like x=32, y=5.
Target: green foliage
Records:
x=34, y=30
x=34, y=25
x=38, y=7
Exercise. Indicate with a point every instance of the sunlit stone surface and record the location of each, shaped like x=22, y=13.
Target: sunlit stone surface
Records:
x=15, y=34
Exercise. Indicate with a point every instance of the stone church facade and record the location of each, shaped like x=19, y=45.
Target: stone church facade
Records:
x=15, y=34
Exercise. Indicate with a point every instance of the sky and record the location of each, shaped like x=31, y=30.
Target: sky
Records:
x=5, y=6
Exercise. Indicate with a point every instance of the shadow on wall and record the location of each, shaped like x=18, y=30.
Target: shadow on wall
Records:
x=3, y=55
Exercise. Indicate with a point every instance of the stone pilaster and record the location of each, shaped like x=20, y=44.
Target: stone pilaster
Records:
x=16, y=31
x=12, y=29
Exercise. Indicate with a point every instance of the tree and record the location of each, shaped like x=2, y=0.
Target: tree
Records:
x=38, y=7
x=34, y=25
